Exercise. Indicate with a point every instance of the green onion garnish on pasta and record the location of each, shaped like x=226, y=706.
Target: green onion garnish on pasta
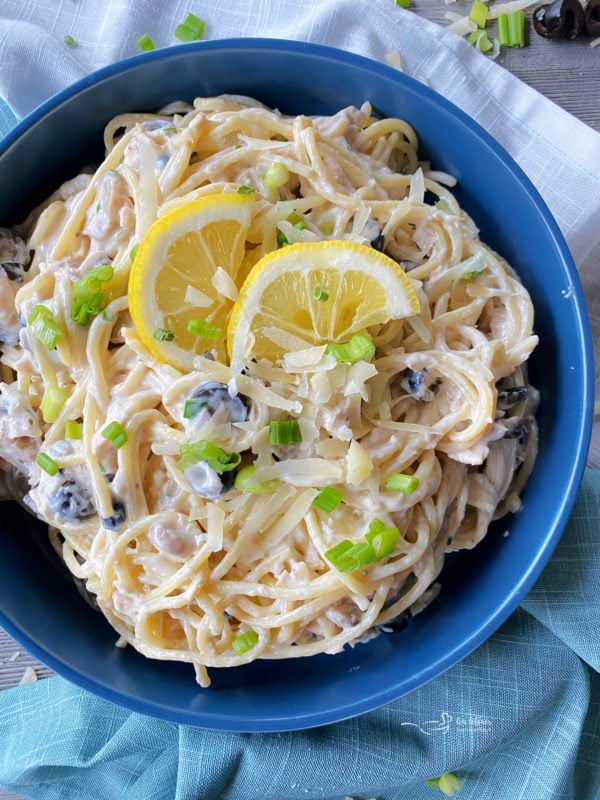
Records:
x=472, y=273
x=216, y=458
x=163, y=335
x=52, y=402
x=378, y=542
x=193, y=407
x=88, y=297
x=382, y=538
x=203, y=329
x=46, y=463
x=73, y=430
x=133, y=251
x=44, y=327
x=276, y=176
x=296, y=220
x=328, y=499
x=353, y=557
x=335, y=553
x=401, y=482
x=243, y=189
x=244, y=483
x=284, y=431
x=320, y=293
x=245, y=641
x=358, y=348
x=115, y=434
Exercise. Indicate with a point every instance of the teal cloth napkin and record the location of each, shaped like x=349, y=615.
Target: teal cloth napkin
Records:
x=518, y=718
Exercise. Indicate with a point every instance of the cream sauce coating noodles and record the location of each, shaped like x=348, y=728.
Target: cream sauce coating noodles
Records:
x=181, y=563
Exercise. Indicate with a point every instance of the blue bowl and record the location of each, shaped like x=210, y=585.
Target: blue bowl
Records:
x=39, y=605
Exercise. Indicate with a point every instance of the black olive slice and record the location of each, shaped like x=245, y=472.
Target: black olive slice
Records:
x=563, y=19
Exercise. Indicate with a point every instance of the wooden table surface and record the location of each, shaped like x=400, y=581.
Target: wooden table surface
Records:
x=566, y=72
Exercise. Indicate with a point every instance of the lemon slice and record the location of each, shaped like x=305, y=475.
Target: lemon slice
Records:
x=315, y=292
x=172, y=280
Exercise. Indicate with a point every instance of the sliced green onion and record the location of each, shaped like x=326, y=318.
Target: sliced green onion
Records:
x=328, y=499
x=511, y=29
x=320, y=293
x=403, y=3
x=276, y=176
x=282, y=239
x=335, y=553
x=69, y=40
x=203, y=329
x=473, y=273
x=245, y=641
x=92, y=280
x=326, y=227
x=352, y=558
x=468, y=268
x=115, y=434
x=216, y=458
x=443, y=206
x=44, y=327
x=296, y=220
x=145, y=42
x=190, y=29
x=243, y=482
x=133, y=251
x=243, y=189
x=478, y=13
x=82, y=311
x=48, y=464
x=193, y=407
x=400, y=482
x=359, y=348
x=52, y=402
x=382, y=539
x=480, y=40
x=87, y=293
x=163, y=335
x=284, y=431
x=378, y=542
x=73, y=430
x=447, y=783
x=170, y=129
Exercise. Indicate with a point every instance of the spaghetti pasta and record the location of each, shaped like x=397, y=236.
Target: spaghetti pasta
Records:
x=184, y=563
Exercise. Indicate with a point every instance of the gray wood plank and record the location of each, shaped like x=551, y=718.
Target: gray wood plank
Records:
x=566, y=72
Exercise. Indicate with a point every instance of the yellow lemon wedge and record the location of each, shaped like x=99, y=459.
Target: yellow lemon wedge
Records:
x=185, y=259
x=315, y=293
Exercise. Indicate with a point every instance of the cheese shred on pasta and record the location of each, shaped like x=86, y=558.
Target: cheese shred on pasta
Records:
x=184, y=565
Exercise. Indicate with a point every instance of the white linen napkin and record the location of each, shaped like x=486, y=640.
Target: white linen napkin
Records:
x=560, y=154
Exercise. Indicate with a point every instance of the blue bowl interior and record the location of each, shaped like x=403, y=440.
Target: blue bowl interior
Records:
x=39, y=604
